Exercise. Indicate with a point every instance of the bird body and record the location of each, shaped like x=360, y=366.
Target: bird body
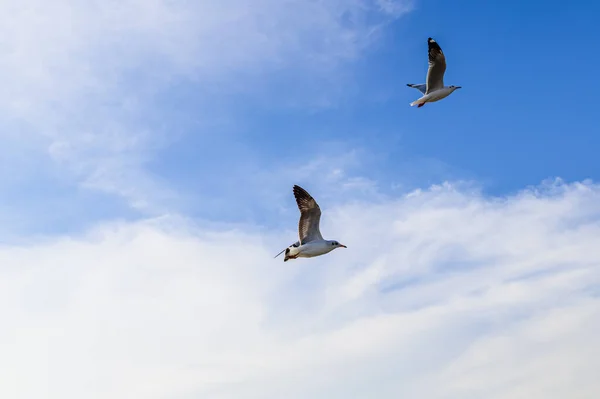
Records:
x=434, y=96
x=311, y=241
x=310, y=249
x=433, y=90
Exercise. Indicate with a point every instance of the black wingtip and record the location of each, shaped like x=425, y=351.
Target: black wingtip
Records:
x=303, y=198
x=433, y=46
x=299, y=192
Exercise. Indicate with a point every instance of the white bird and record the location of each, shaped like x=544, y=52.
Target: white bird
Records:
x=311, y=241
x=434, y=90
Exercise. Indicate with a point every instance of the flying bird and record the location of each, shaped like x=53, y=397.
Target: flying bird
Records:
x=434, y=90
x=311, y=241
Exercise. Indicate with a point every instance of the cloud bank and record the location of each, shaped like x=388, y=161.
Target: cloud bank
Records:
x=443, y=293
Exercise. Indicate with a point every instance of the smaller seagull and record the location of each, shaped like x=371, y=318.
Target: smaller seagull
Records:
x=434, y=90
x=311, y=241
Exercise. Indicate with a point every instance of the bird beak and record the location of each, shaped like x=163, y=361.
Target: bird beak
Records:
x=343, y=246
x=459, y=87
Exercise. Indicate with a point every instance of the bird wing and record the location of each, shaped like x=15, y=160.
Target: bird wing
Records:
x=422, y=87
x=437, y=67
x=296, y=244
x=310, y=216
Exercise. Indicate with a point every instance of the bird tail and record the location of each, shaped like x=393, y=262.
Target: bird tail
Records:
x=417, y=102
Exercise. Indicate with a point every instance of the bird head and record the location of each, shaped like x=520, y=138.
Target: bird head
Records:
x=455, y=87
x=336, y=244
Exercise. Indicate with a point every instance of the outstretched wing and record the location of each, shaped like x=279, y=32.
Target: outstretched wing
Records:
x=310, y=216
x=437, y=67
x=296, y=244
x=422, y=87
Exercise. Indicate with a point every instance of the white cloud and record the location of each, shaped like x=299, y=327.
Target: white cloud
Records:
x=85, y=79
x=441, y=294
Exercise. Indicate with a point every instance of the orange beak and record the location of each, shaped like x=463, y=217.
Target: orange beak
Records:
x=343, y=246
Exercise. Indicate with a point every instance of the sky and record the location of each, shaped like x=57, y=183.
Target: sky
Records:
x=148, y=158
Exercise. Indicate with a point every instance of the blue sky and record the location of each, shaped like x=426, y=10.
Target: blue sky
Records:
x=149, y=153
x=520, y=118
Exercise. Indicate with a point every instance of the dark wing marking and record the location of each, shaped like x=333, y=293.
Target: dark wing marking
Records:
x=295, y=245
x=437, y=66
x=310, y=216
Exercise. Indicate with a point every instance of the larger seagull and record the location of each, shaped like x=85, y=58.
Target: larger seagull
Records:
x=311, y=241
x=434, y=90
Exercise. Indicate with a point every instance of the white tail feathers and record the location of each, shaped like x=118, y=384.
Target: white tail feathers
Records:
x=419, y=101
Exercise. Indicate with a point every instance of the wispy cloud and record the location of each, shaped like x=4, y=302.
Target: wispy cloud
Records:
x=444, y=293
x=87, y=80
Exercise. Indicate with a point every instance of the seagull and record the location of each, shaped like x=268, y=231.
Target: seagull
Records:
x=311, y=241
x=434, y=90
